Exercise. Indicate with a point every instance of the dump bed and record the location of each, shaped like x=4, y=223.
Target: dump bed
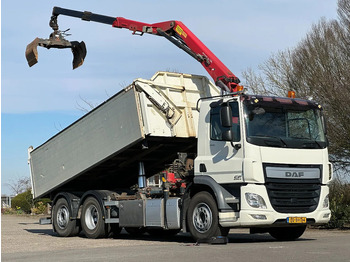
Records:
x=149, y=121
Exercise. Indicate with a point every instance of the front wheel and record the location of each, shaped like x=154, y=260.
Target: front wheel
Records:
x=203, y=218
x=92, y=221
x=287, y=233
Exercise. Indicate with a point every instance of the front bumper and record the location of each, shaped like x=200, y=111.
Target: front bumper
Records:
x=267, y=217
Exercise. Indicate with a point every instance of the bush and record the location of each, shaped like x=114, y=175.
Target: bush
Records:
x=339, y=197
x=40, y=206
x=23, y=202
x=7, y=211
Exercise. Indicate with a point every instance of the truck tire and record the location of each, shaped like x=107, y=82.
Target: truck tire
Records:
x=203, y=218
x=287, y=233
x=92, y=221
x=63, y=225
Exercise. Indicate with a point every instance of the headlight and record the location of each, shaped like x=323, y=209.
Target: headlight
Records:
x=326, y=202
x=255, y=200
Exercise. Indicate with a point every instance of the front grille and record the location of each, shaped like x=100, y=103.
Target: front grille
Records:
x=294, y=197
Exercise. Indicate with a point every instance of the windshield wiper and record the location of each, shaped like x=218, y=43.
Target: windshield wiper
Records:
x=284, y=144
x=310, y=143
x=314, y=143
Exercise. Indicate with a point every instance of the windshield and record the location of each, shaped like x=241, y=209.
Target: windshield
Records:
x=289, y=125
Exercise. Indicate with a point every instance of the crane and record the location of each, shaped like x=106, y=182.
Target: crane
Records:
x=174, y=31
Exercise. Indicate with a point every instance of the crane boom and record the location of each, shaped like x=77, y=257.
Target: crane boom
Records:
x=174, y=31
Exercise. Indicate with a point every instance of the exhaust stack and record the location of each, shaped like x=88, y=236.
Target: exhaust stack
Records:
x=142, y=177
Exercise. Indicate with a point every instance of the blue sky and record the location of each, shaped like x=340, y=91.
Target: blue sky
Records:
x=38, y=102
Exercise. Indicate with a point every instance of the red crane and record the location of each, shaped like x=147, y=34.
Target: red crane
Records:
x=174, y=31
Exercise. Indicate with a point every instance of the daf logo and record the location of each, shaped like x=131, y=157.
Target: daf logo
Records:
x=294, y=174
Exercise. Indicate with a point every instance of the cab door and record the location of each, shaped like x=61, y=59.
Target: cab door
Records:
x=224, y=160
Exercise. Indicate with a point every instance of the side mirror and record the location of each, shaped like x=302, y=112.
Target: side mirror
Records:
x=226, y=115
x=226, y=121
x=227, y=135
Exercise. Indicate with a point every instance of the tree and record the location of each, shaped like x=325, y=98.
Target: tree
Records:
x=20, y=185
x=318, y=67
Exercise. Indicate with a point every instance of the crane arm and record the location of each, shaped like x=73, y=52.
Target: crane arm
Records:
x=174, y=31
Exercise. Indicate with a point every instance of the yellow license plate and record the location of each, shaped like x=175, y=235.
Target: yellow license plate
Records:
x=296, y=220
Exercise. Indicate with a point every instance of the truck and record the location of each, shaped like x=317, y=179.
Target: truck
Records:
x=225, y=159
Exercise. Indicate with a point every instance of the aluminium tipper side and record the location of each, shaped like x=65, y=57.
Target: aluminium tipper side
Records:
x=149, y=121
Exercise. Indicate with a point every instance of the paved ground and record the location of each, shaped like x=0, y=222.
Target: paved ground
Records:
x=23, y=239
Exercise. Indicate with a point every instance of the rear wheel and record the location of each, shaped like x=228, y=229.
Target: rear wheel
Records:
x=203, y=217
x=287, y=233
x=92, y=221
x=64, y=226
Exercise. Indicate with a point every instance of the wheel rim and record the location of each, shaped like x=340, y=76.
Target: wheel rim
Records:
x=202, y=218
x=62, y=217
x=91, y=217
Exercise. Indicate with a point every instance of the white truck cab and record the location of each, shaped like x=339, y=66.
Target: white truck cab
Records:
x=271, y=154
